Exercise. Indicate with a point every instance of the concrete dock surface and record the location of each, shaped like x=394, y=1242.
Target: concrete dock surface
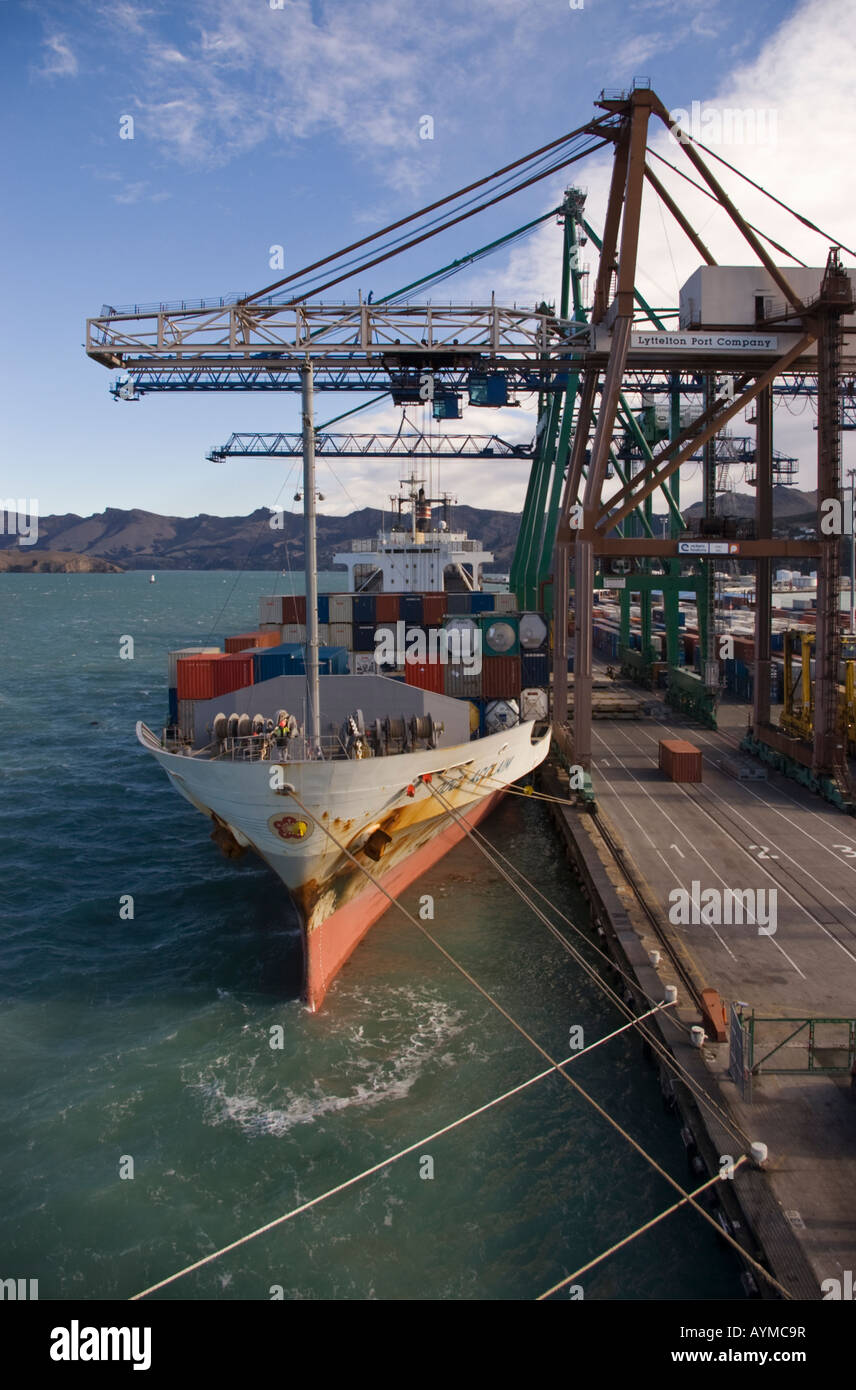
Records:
x=788, y=949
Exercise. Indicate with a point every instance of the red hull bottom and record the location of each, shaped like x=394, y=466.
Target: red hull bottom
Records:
x=330, y=945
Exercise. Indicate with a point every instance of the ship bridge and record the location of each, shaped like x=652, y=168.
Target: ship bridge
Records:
x=408, y=561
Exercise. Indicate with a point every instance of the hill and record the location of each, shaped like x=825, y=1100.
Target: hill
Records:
x=789, y=505
x=138, y=539
x=29, y=559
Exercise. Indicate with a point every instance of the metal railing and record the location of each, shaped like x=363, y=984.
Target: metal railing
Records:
x=250, y=749
x=820, y=1052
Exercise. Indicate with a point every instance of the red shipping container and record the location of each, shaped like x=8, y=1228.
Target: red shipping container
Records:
x=232, y=673
x=433, y=609
x=294, y=608
x=680, y=760
x=195, y=676
x=427, y=675
x=386, y=608
x=501, y=677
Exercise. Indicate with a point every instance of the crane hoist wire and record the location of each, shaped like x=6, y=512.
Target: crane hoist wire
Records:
x=443, y=226
x=700, y=188
x=356, y=262
x=806, y=221
x=604, y=123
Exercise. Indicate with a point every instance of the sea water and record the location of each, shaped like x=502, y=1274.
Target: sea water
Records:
x=140, y=1045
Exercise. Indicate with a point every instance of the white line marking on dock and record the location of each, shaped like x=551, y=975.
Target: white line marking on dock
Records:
x=697, y=851
x=729, y=804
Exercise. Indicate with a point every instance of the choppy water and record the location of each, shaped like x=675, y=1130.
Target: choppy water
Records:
x=149, y=1037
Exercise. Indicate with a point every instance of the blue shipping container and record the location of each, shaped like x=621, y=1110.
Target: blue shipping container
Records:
x=288, y=660
x=481, y=603
x=410, y=608
x=323, y=608
x=173, y=705
x=364, y=611
x=535, y=669
x=458, y=604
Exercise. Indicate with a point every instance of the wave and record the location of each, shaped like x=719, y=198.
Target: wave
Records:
x=387, y=1078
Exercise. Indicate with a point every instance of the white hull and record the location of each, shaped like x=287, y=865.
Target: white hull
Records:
x=350, y=827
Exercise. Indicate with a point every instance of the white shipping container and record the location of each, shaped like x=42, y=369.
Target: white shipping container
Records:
x=533, y=704
x=340, y=634
x=533, y=631
x=341, y=608
x=185, y=651
x=324, y=634
x=186, y=717
x=294, y=632
x=505, y=603
x=500, y=714
x=270, y=610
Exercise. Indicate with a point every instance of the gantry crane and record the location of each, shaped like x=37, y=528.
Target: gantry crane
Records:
x=585, y=368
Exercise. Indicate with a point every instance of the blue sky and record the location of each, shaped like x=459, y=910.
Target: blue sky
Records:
x=298, y=125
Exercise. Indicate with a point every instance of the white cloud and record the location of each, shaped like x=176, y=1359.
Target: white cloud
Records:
x=136, y=193
x=816, y=128
x=59, y=60
x=167, y=55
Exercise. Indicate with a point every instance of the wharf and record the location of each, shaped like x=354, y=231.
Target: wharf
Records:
x=650, y=837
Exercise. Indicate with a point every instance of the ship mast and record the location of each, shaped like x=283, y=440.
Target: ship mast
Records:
x=310, y=561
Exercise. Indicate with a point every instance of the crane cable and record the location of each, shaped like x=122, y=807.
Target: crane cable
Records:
x=602, y=122
x=451, y=222
x=708, y=193
x=806, y=221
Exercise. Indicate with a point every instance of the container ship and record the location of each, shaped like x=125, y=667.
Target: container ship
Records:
x=352, y=739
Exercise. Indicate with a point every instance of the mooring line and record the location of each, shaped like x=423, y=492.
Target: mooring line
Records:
x=637, y=1147
x=640, y=1231
x=670, y=1061
x=377, y=1167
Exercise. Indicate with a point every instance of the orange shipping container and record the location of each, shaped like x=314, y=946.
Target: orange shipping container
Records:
x=243, y=641
x=433, y=609
x=501, y=677
x=294, y=608
x=386, y=608
x=195, y=677
x=232, y=673
x=680, y=760
x=427, y=675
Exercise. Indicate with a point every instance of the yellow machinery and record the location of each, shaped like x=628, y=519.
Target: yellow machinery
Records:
x=797, y=715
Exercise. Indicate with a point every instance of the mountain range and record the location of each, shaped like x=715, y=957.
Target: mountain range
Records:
x=139, y=539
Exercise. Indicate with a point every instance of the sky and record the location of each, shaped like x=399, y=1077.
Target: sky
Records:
x=296, y=123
